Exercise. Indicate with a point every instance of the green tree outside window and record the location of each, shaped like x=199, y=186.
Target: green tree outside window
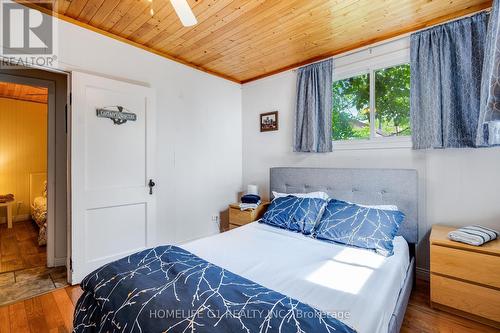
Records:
x=351, y=104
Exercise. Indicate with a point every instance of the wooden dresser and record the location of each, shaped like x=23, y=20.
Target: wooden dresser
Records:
x=465, y=279
x=237, y=217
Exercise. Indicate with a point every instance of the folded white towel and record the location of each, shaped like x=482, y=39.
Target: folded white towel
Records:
x=245, y=206
x=473, y=235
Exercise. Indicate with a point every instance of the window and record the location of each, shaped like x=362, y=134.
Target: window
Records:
x=372, y=106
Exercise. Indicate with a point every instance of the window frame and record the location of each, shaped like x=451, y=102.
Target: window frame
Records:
x=369, y=66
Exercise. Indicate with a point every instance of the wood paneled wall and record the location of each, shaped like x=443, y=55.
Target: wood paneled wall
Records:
x=23, y=148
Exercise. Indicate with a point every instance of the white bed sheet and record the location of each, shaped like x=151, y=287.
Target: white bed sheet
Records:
x=358, y=286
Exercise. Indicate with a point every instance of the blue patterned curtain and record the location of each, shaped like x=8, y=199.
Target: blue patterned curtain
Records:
x=489, y=116
x=313, y=118
x=446, y=67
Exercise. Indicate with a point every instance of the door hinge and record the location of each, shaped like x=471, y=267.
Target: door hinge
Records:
x=70, y=99
x=71, y=264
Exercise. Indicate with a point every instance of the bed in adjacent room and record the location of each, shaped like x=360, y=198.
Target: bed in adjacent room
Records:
x=226, y=282
x=38, y=204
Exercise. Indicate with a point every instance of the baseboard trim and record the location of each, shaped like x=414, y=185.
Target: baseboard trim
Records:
x=423, y=274
x=17, y=218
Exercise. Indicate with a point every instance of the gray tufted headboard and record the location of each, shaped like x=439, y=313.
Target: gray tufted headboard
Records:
x=365, y=186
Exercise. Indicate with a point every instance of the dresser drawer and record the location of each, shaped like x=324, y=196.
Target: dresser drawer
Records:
x=467, y=265
x=480, y=301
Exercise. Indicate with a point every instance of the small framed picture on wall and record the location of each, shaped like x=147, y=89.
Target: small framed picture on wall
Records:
x=269, y=121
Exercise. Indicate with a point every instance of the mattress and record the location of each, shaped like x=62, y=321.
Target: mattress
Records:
x=357, y=286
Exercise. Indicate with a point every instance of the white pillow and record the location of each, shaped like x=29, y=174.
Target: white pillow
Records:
x=319, y=195
x=383, y=207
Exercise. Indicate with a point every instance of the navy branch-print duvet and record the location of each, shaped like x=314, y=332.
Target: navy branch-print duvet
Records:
x=168, y=289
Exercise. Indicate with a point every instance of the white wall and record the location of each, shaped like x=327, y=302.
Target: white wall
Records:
x=457, y=186
x=198, y=128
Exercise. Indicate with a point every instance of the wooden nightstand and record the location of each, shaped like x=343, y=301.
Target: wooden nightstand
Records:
x=238, y=217
x=465, y=279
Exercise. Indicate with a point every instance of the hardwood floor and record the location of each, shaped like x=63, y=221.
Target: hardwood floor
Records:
x=23, y=264
x=53, y=312
x=19, y=247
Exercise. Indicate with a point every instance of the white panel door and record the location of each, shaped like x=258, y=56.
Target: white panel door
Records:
x=113, y=212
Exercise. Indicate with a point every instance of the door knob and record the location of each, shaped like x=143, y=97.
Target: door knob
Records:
x=151, y=184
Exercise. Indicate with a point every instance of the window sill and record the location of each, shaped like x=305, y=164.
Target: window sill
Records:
x=377, y=143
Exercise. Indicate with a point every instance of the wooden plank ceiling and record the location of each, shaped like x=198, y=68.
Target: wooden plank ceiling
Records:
x=23, y=92
x=243, y=40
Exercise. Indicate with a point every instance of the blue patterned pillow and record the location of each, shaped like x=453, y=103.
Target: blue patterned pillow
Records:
x=293, y=213
x=364, y=227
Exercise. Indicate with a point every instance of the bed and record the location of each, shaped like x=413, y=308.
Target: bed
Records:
x=361, y=290
x=38, y=204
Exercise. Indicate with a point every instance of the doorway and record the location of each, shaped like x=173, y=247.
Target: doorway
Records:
x=33, y=183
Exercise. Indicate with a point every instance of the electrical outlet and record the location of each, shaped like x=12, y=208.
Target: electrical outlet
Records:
x=215, y=218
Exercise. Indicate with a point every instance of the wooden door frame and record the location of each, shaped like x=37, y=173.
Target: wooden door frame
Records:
x=51, y=170
x=29, y=76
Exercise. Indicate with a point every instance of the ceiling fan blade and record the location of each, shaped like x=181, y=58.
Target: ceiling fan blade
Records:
x=184, y=12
